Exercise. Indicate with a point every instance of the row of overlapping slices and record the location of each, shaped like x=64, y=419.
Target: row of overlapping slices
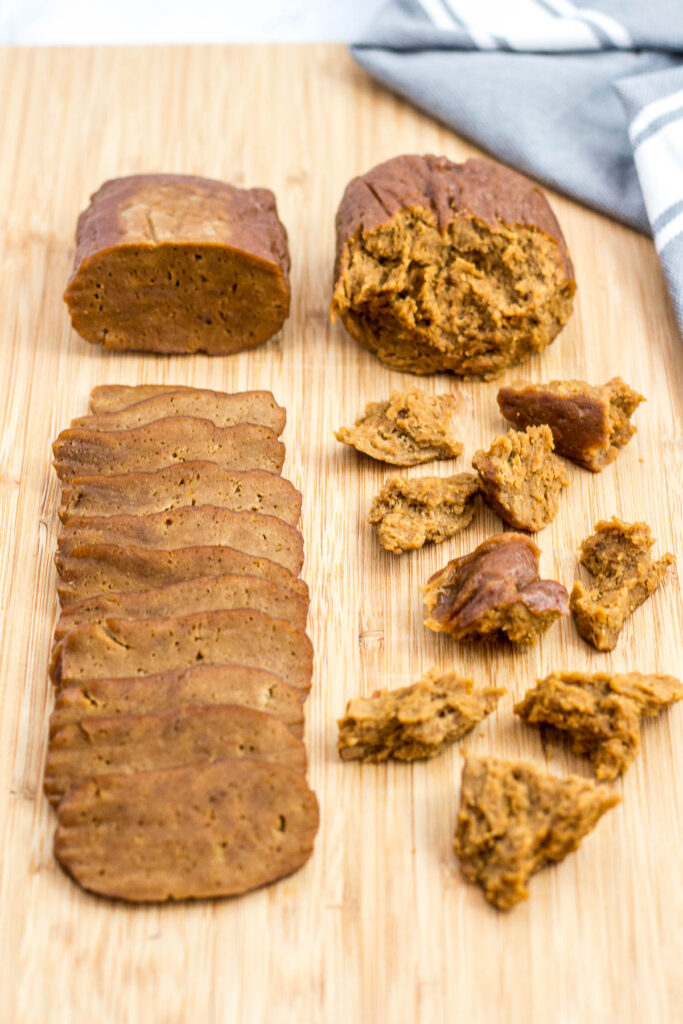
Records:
x=180, y=660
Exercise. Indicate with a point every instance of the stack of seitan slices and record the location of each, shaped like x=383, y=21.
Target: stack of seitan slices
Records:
x=180, y=660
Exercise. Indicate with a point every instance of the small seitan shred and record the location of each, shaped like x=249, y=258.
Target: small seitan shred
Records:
x=410, y=513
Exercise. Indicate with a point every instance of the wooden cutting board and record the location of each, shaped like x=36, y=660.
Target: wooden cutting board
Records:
x=379, y=926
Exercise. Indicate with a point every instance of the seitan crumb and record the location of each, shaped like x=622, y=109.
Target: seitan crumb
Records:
x=521, y=479
x=601, y=713
x=624, y=574
x=514, y=819
x=417, y=721
x=409, y=513
x=408, y=429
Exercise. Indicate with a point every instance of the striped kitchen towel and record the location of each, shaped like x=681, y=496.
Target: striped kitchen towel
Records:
x=587, y=98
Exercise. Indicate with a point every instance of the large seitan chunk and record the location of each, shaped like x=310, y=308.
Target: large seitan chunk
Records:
x=521, y=479
x=98, y=568
x=204, y=594
x=514, y=819
x=414, y=721
x=444, y=266
x=624, y=574
x=164, y=443
x=589, y=424
x=179, y=263
x=224, y=410
x=408, y=429
x=196, y=832
x=409, y=513
x=194, y=687
x=601, y=713
x=188, y=483
x=145, y=647
x=494, y=592
x=166, y=739
x=251, y=532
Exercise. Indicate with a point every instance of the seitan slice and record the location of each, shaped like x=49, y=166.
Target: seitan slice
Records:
x=114, y=397
x=415, y=721
x=167, y=739
x=601, y=713
x=197, y=686
x=188, y=483
x=624, y=574
x=204, y=594
x=406, y=430
x=514, y=819
x=196, y=832
x=130, y=647
x=222, y=409
x=98, y=568
x=164, y=443
x=251, y=532
x=409, y=513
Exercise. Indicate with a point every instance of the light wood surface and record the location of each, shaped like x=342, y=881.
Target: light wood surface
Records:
x=379, y=926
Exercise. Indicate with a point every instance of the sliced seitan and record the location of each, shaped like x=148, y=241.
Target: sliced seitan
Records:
x=164, y=443
x=197, y=832
x=251, y=532
x=145, y=647
x=188, y=483
x=222, y=409
x=113, y=397
x=97, y=568
x=204, y=594
x=167, y=739
x=195, y=687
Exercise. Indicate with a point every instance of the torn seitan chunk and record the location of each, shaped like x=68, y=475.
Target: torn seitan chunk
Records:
x=589, y=424
x=224, y=410
x=166, y=739
x=494, y=592
x=200, y=831
x=411, y=512
x=188, y=483
x=624, y=574
x=192, y=687
x=600, y=713
x=408, y=429
x=415, y=721
x=163, y=443
x=515, y=819
x=204, y=594
x=445, y=266
x=251, y=532
x=521, y=479
x=96, y=569
x=130, y=647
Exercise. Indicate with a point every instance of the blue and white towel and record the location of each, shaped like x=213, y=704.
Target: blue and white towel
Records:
x=586, y=97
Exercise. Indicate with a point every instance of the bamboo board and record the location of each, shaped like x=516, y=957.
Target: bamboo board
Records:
x=379, y=926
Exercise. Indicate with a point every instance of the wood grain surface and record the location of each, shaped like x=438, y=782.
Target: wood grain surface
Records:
x=379, y=926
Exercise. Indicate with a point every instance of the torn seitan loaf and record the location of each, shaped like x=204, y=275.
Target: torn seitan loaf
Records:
x=414, y=721
x=624, y=574
x=408, y=429
x=149, y=646
x=444, y=266
x=589, y=424
x=167, y=739
x=96, y=569
x=515, y=819
x=601, y=713
x=251, y=532
x=197, y=686
x=224, y=410
x=188, y=483
x=163, y=443
x=409, y=513
x=206, y=830
x=178, y=263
